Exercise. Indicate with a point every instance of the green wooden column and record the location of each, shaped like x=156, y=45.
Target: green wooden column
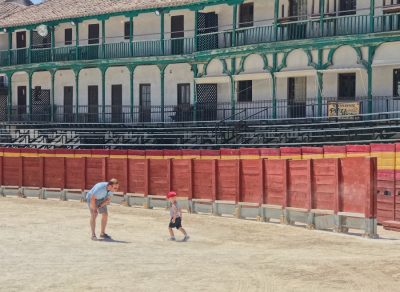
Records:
x=77, y=71
x=162, y=32
x=131, y=69
x=195, y=70
x=103, y=38
x=234, y=24
x=9, y=48
x=52, y=29
x=273, y=78
x=320, y=82
x=103, y=92
x=196, y=30
x=233, y=98
x=30, y=46
x=30, y=97
x=76, y=40
x=276, y=16
x=53, y=76
x=369, y=74
x=371, y=16
x=131, y=35
x=162, y=77
x=9, y=97
x=321, y=16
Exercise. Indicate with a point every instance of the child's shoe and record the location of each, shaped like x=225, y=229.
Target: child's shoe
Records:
x=172, y=239
x=186, y=238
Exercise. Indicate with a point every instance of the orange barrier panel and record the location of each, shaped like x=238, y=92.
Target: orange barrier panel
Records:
x=154, y=154
x=270, y=153
x=249, y=153
x=54, y=172
x=358, y=150
x=358, y=181
x=251, y=183
x=228, y=173
x=136, y=154
x=291, y=153
x=12, y=171
x=210, y=154
x=181, y=177
x=191, y=154
x=138, y=176
x=47, y=153
x=82, y=153
x=299, y=186
x=33, y=171
x=335, y=151
x=229, y=154
x=65, y=153
x=325, y=184
x=100, y=153
x=159, y=176
x=29, y=152
x=118, y=168
x=172, y=154
x=204, y=182
x=312, y=152
x=119, y=154
x=275, y=182
x=95, y=171
x=75, y=173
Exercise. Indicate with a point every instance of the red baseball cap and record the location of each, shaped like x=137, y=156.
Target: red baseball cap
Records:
x=171, y=195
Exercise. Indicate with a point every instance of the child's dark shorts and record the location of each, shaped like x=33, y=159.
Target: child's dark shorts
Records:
x=177, y=224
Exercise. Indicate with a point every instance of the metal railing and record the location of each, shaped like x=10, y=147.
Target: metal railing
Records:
x=287, y=29
x=387, y=107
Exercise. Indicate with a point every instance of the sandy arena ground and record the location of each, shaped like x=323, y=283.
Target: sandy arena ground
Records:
x=46, y=246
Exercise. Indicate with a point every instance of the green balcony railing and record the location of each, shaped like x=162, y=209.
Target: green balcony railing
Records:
x=287, y=29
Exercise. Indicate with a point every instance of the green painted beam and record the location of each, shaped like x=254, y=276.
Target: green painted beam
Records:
x=321, y=16
x=371, y=15
x=162, y=23
x=9, y=97
x=276, y=17
x=76, y=40
x=234, y=23
x=30, y=97
x=131, y=27
x=196, y=29
x=77, y=73
x=103, y=92
x=52, y=103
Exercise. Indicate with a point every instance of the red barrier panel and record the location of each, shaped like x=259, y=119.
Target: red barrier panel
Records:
x=119, y=154
x=358, y=150
x=82, y=153
x=29, y=152
x=249, y=153
x=312, y=152
x=172, y=154
x=228, y=180
x=95, y=171
x=154, y=154
x=291, y=152
x=275, y=182
x=33, y=171
x=159, y=176
x=204, y=182
x=210, y=154
x=230, y=154
x=335, y=151
x=54, y=172
x=358, y=181
x=118, y=168
x=251, y=181
x=136, y=154
x=191, y=154
x=75, y=173
x=47, y=153
x=299, y=186
x=138, y=176
x=12, y=171
x=65, y=153
x=325, y=184
x=181, y=177
x=100, y=153
x=270, y=153
x=11, y=152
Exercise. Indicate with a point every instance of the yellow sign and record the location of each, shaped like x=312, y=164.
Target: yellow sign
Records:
x=343, y=109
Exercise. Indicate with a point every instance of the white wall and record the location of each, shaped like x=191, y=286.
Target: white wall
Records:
x=188, y=23
x=148, y=75
x=89, y=77
x=84, y=31
x=174, y=75
x=59, y=34
x=19, y=79
x=115, y=76
x=3, y=41
x=146, y=27
x=115, y=29
x=64, y=78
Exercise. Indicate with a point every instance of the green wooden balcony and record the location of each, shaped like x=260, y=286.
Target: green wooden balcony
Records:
x=285, y=30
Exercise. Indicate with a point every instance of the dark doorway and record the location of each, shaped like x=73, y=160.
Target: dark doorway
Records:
x=347, y=86
x=145, y=103
x=21, y=103
x=21, y=48
x=207, y=25
x=207, y=102
x=177, y=34
x=91, y=52
x=297, y=12
x=297, y=93
x=93, y=104
x=246, y=15
x=396, y=82
x=245, y=91
x=68, y=36
x=116, y=103
x=68, y=103
x=347, y=7
x=183, y=110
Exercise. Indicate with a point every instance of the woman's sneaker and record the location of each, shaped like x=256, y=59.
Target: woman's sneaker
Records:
x=105, y=236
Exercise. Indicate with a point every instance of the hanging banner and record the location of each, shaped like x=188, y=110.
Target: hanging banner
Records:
x=343, y=110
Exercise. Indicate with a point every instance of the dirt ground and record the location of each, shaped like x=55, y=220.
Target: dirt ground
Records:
x=46, y=246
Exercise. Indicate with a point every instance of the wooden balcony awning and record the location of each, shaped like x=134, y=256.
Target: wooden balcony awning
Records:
x=212, y=80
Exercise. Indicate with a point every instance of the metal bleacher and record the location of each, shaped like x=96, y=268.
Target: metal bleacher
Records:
x=231, y=132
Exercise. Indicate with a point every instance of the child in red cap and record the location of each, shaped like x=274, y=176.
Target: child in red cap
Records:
x=176, y=217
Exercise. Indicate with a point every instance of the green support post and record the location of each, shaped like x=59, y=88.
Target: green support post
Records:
x=196, y=30
x=77, y=72
x=9, y=48
x=132, y=92
x=371, y=16
x=234, y=25
x=103, y=92
x=9, y=98
x=369, y=74
x=273, y=78
x=77, y=41
x=30, y=46
x=30, y=97
x=52, y=42
x=103, y=35
x=162, y=33
x=162, y=76
x=131, y=35
x=276, y=17
x=194, y=101
x=233, y=100
x=320, y=82
x=321, y=16
x=52, y=75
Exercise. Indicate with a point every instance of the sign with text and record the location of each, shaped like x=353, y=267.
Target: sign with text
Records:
x=343, y=109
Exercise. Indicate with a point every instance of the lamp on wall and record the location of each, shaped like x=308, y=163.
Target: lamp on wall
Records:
x=157, y=12
x=73, y=23
x=4, y=30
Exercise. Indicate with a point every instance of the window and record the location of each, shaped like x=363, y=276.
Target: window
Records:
x=347, y=7
x=68, y=36
x=347, y=86
x=245, y=91
x=246, y=16
x=396, y=82
x=183, y=94
x=127, y=30
x=2, y=82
